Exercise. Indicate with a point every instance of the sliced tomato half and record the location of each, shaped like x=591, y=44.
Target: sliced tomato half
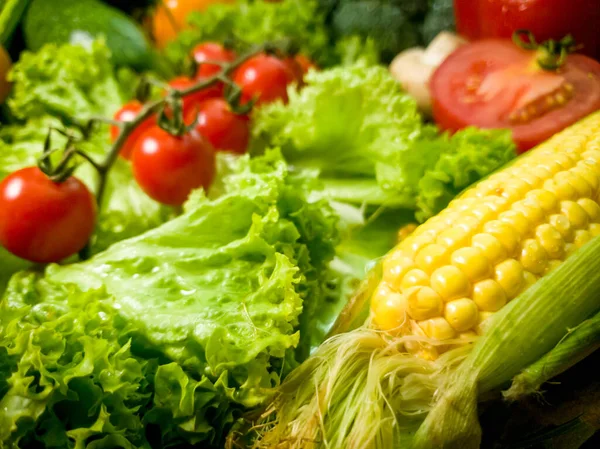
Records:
x=495, y=84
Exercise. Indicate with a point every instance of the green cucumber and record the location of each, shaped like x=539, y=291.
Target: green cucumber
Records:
x=80, y=21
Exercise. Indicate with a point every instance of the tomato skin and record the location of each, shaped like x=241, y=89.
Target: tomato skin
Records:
x=193, y=100
x=170, y=17
x=546, y=19
x=169, y=167
x=305, y=63
x=225, y=130
x=210, y=51
x=511, y=86
x=295, y=70
x=264, y=78
x=127, y=114
x=43, y=221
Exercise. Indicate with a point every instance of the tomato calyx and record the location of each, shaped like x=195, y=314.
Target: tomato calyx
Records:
x=551, y=54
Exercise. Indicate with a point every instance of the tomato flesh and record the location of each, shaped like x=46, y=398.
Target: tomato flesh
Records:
x=128, y=113
x=43, y=221
x=546, y=19
x=169, y=167
x=495, y=84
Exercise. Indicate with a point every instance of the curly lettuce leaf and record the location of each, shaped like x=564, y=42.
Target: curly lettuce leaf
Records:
x=365, y=137
x=256, y=22
x=201, y=315
x=68, y=81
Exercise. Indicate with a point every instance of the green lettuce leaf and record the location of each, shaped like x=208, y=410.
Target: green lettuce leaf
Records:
x=365, y=137
x=256, y=22
x=179, y=329
x=68, y=81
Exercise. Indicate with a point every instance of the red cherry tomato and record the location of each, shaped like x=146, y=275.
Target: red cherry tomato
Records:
x=43, y=221
x=305, y=63
x=127, y=114
x=169, y=167
x=264, y=78
x=210, y=51
x=295, y=70
x=193, y=100
x=546, y=19
x=495, y=84
x=224, y=129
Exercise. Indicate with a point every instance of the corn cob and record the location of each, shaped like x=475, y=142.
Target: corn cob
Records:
x=455, y=271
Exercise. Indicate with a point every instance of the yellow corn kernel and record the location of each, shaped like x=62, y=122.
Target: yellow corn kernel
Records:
x=595, y=229
x=587, y=170
x=415, y=243
x=534, y=257
x=462, y=314
x=516, y=189
x=472, y=262
x=414, y=278
x=489, y=296
x=591, y=208
x=509, y=274
x=449, y=282
x=406, y=231
x=453, y=238
x=483, y=212
x=563, y=190
x=531, y=211
x=432, y=257
x=570, y=248
x=437, y=328
x=469, y=224
x=389, y=309
x=490, y=246
x=506, y=235
x=497, y=204
x=563, y=226
x=581, y=186
x=543, y=198
x=530, y=279
x=423, y=303
x=582, y=237
x=516, y=220
x=394, y=268
x=574, y=213
x=551, y=240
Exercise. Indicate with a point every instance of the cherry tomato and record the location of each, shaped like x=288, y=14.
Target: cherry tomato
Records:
x=263, y=77
x=305, y=63
x=171, y=17
x=193, y=100
x=43, y=221
x=295, y=70
x=169, y=167
x=127, y=114
x=546, y=19
x=5, y=65
x=224, y=129
x=495, y=84
x=210, y=51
